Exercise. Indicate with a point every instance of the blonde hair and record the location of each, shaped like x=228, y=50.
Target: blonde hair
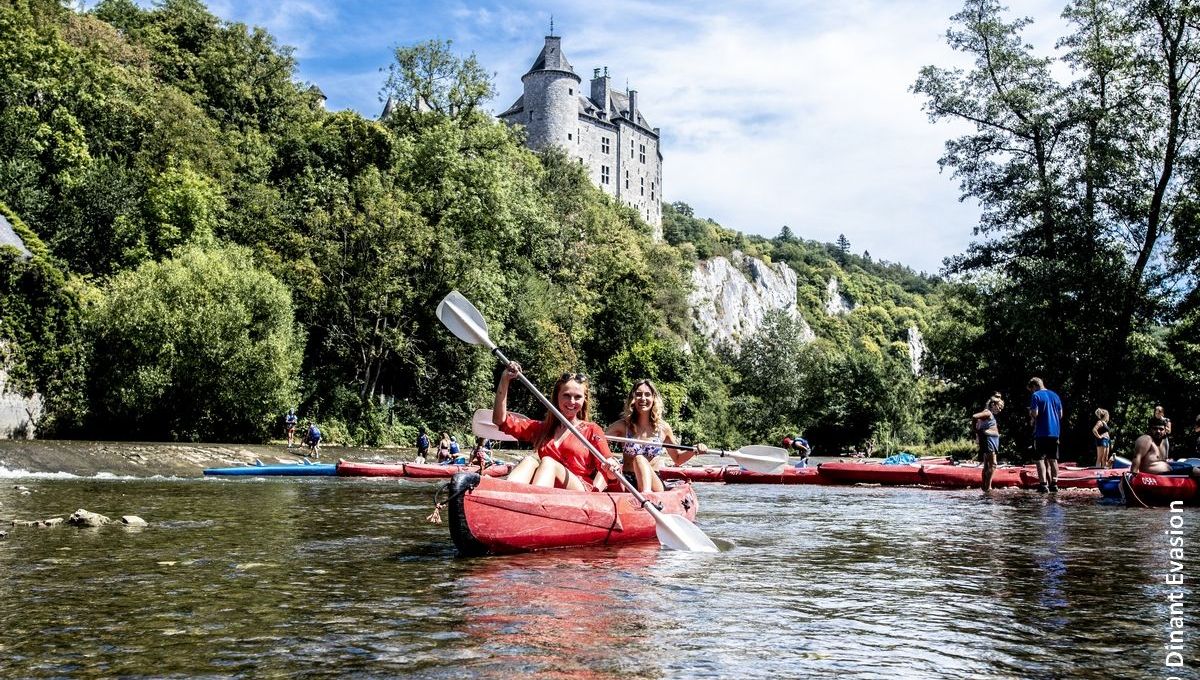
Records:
x=995, y=403
x=1101, y=414
x=656, y=411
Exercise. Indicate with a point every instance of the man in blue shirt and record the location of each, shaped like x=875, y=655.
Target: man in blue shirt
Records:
x=1045, y=414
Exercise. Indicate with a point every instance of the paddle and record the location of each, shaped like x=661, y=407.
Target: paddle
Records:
x=462, y=319
x=755, y=457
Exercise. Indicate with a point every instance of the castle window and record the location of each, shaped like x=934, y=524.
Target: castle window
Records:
x=604, y=145
x=643, y=186
x=570, y=91
x=642, y=152
x=569, y=137
x=604, y=174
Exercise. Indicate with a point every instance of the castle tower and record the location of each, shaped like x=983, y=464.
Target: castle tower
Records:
x=602, y=128
x=551, y=98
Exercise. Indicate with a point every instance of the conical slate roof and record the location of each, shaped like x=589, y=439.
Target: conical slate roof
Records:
x=551, y=58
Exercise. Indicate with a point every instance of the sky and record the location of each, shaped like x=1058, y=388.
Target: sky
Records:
x=772, y=113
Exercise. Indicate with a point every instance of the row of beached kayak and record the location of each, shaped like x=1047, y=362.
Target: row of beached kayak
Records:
x=344, y=468
x=934, y=473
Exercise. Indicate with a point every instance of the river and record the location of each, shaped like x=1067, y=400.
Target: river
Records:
x=345, y=577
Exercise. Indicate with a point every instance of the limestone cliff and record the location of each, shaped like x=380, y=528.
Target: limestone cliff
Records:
x=731, y=296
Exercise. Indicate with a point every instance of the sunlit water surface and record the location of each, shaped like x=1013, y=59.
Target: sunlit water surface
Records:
x=341, y=577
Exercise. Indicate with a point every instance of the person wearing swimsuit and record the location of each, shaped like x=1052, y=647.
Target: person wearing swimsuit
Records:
x=987, y=432
x=643, y=419
x=1103, y=440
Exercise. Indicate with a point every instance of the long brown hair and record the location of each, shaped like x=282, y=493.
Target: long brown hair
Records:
x=550, y=423
x=656, y=412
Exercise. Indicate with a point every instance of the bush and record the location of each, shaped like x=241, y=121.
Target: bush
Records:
x=200, y=346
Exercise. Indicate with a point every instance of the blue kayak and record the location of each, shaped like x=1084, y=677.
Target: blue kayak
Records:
x=305, y=469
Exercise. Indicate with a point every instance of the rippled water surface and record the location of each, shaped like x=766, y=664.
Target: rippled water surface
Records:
x=338, y=577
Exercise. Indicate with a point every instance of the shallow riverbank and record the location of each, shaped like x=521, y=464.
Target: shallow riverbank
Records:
x=147, y=459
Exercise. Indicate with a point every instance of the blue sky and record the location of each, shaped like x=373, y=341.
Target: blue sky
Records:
x=774, y=112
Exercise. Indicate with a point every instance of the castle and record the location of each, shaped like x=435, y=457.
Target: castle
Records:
x=602, y=128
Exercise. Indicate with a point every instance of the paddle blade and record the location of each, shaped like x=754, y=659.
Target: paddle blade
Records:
x=482, y=426
x=677, y=533
x=464, y=321
x=770, y=460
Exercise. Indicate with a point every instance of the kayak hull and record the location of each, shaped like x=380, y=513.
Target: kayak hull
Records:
x=871, y=473
x=496, y=516
x=347, y=468
x=789, y=476
x=707, y=473
x=1161, y=490
x=296, y=470
x=971, y=477
x=1072, y=478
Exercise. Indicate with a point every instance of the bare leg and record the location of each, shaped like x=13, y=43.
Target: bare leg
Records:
x=1052, y=471
x=523, y=472
x=989, y=468
x=646, y=477
x=1041, y=470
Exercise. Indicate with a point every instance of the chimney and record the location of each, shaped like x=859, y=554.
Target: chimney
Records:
x=633, y=105
x=600, y=89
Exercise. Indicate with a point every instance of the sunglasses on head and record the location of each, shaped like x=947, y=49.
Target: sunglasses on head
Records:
x=577, y=377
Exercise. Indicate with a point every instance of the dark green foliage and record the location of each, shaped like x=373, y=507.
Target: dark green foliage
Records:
x=200, y=346
x=1082, y=273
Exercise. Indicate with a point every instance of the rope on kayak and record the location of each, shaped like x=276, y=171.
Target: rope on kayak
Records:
x=435, y=517
x=1127, y=478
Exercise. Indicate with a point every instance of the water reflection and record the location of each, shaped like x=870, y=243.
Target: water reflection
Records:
x=579, y=614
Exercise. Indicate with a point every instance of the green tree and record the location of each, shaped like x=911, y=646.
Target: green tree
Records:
x=429, y=76
x=1075, y=181
x=200, y=346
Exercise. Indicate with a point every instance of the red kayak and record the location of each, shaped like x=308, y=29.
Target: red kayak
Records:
x=413, y=470
x=496, y=516
x=971, y=476
x=791, y=475
x=1071, y=477
x=1160, y=489
x=871, y=473
x=696, y=473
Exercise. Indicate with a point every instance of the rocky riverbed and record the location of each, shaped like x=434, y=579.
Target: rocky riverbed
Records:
x=147, y=459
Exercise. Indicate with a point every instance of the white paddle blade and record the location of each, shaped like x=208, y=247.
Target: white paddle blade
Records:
x=770, y=460
x=464, y=321
x=675, y=532
x=482, y=426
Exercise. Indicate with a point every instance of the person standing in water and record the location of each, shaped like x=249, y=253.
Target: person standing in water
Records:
x=1045, y=414
x=987, y=433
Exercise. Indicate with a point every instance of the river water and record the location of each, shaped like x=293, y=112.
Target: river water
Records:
x=345, y=577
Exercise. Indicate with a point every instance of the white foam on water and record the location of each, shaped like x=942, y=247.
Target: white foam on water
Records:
x=6, y=473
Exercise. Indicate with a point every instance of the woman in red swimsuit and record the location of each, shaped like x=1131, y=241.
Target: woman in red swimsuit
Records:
x=561, y=460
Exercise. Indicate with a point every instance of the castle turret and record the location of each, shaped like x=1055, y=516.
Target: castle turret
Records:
x=551, y=98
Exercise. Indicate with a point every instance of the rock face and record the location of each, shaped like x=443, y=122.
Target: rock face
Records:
x=836, y=304
x=17, y=414
x=731, y=296
x=916, y=349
